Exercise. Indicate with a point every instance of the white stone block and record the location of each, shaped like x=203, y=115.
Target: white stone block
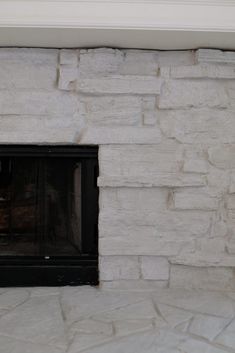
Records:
x=69, y=57
x=32, y=56
x=104, y=135
x=232, y=183
x=202, y=278
x=203, y=71
x=215, y=56
x=146, y=160
x=127, y=199
x=149, y=111
x=21, y=75
x=199, y=125
x=188, y=94
x=113, y=111
x=154, y=268
x=176, y=58
x=120, y=85
x=222, y=156
x=100, y=62
x=156, y=180
x=155, y=224
x=141, y=245
x=67, y=78
x=194, y=200
x=139, y=62
x=38, y=103
x=119, y=267
x=195, y=166
x=231, y=202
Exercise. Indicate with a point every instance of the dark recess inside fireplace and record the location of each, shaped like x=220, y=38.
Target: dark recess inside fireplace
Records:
x=48, y=215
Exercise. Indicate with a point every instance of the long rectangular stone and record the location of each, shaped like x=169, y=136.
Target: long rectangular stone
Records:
x=113, y=111
x=38, y=102
x=215, y=56
x=194, y=200
x=178, y=94
x=203, y=71
x=142, y=245
x=195, y=126
x=119, y=267
x=202, y=278
x=104, y=135
x=28, y=68
x=100, y=62
x=157, y=180
x=120, y=85
x=139, y=199
x=155, y=223
x=146, y=160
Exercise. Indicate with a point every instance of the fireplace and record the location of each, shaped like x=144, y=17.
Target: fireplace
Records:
x=48, y=215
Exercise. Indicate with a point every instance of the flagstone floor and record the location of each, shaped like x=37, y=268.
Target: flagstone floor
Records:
x=89, y=320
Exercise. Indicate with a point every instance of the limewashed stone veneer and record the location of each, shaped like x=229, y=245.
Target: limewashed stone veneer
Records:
x=165, y=126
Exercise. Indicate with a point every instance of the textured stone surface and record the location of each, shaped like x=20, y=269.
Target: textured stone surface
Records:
x=154, y=268
x=201, y=277
x=165, y=126
x=189, y=94
x=119, y=267
x=120, y=85
x=94, y=320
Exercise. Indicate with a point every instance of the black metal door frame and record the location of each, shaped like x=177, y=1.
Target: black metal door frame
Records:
x=59, y=270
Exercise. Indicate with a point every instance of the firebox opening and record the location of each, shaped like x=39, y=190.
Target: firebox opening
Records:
x=48, y=215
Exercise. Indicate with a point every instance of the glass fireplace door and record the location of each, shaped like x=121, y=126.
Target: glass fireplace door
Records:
x=48, y=217
x=40, y=207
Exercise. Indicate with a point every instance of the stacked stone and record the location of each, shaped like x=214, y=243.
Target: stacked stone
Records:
x=165, y=124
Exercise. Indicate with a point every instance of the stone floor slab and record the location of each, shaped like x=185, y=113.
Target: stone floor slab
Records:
x=38, y=320
x=9, y=345
x=91, y=320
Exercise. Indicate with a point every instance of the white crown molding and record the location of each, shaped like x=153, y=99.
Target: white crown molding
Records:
x=169, y=23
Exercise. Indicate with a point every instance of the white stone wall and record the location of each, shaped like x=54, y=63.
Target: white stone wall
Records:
x=165, y=124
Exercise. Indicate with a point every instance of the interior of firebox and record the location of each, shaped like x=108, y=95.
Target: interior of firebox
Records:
x=40, y=206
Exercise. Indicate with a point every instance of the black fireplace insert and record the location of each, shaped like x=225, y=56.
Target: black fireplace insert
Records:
x=48, y=215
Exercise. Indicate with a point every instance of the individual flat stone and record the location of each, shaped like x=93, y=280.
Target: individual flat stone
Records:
x=141, y=310
x=41, y=291
x=194, y=346
x=156, y=180
x=177, y=94
x=155, y=268
x=174, y=316
x=215, y=56
x=127, y=327
x=206, y=278
x=90, y=326
x=203, y=71
x=203, y=302
x=38, y=320
x=207, y=326
x=13, y=297
x=84, y=302
x=11, y=345
x=112, y=111
x=227, y=337
x=223, y=156
x=103, y=135
x=119, y=267
x=118, y=84
x=83, y=342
